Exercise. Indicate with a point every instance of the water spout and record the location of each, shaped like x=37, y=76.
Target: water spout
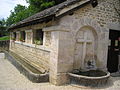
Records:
x=91, y=65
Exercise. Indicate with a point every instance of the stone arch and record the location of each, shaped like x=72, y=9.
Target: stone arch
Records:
x=86, y=47
x=94, y=31
x=86, y=21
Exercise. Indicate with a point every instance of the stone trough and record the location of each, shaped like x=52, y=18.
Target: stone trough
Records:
x=26, y=69
x=87, y=79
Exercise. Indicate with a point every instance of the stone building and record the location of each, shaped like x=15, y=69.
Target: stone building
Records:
x=76, y=34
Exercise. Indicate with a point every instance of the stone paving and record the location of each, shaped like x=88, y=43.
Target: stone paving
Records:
x=11, y=79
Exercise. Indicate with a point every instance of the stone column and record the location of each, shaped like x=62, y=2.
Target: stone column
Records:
x=61, y=56
x=11, y=36
x=18, y=36
x=29, y=36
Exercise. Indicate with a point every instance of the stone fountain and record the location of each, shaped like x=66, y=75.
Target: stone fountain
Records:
x=86, y=70
x=89, y=75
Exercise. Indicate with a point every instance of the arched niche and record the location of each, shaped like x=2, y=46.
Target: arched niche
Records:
x=85, y=56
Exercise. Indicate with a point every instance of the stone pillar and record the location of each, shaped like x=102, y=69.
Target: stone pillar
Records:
x=61, y=55
x=29, y=36
x=18, y=35
x=11, y=36
x=47, y=39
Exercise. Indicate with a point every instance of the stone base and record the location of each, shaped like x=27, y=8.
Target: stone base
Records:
x=62, y=78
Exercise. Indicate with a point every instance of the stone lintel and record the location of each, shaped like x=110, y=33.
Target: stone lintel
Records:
x=28, y=30
x=55, y=28
x=113, y=26
x=18, y=32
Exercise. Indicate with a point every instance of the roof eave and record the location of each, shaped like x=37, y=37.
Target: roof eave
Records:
x=57, y=15
x=73, y=7
x=33, y=22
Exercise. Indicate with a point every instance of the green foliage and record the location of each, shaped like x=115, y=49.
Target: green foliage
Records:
x=2, y=22
x=4, y=38
x=38, y=42
x=17, y=15
x=21, y=12
x=47, y=5
x=3, y=28
x=39, y=5
x=21, y=39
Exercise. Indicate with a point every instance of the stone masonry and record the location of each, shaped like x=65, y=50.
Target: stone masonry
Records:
x=63, y=49
x=70, y=42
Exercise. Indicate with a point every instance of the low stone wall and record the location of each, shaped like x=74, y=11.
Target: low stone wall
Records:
x=35, y=56
x=4, y=45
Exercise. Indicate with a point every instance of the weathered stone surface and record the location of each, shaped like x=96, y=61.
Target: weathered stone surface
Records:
x=89, y=81
x=29, y=37
x=35, y=77
x=87, y=19
x=39, y=58
x=72, y=41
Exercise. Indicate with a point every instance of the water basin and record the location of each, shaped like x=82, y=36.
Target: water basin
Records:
x=89, y=78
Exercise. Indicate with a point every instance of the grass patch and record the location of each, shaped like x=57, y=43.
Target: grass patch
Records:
x=4, y=38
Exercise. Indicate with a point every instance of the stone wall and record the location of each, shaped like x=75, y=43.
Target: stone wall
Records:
x=37, y=55
x=98, y=19
x=104, y=13
x=93, y=19
x=34, y=55
x=62, y=39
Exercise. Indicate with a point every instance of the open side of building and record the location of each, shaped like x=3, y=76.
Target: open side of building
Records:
x=72, y=35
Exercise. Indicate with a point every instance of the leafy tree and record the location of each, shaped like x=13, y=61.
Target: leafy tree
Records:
x=21, y=12
x=38, y=5
x=3, y=27
x=17, y=15
x=2, y=22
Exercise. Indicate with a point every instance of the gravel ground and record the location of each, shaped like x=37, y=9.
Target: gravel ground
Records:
x=11, y=79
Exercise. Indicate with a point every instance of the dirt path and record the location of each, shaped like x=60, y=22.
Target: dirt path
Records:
x=11, y=79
